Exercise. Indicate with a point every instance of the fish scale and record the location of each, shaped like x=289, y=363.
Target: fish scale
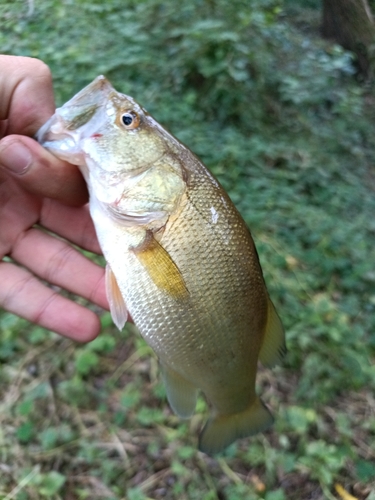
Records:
x=179, y=258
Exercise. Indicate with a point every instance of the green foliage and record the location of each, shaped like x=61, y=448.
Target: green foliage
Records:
x=365, y=470
x=276, y=114
x=135, y=494
x=275, y=495
x=25, y=432
x=48, y=484
x=86, y=361
x=130, y=396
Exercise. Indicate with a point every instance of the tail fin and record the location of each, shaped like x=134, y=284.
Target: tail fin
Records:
x=221, y=431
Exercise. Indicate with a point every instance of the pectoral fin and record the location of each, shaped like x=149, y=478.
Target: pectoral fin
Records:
x=182, y=395
x=273, y=348
x=160, y=267
x=116, y=301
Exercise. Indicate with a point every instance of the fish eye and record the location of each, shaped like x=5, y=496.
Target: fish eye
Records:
x=130, y=120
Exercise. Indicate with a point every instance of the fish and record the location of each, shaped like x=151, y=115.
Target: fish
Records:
x=180, y=259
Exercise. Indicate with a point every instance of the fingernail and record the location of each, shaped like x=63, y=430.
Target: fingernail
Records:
x=16, y=157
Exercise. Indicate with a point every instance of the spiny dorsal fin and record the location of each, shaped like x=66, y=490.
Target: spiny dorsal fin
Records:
x=273, y=347
x=160, y=267
x=116, y=301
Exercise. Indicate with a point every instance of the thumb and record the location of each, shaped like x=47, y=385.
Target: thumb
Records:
x=41, y=173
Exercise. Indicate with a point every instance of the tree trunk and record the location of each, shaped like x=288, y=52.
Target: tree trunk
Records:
x=350, y=24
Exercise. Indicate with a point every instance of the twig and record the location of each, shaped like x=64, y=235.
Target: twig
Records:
x=229, y=472
x=23, y=483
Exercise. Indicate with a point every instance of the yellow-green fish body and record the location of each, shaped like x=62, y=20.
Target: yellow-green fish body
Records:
x=180, y=258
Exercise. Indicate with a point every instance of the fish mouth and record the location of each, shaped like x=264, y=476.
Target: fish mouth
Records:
x=53, y=135
x=77, y=119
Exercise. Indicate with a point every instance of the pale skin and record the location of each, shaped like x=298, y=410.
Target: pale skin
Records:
x=38, y=192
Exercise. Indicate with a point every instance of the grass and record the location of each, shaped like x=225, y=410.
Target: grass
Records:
x=92, y=422
x=297, y=157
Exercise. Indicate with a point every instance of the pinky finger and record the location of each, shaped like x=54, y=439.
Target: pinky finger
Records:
x=21, y=293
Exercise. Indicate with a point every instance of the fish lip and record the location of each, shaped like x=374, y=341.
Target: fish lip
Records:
x=53, y=132
x=64, y=144
x=44, y=133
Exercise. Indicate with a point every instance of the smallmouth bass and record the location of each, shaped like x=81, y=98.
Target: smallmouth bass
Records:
x=179, y=258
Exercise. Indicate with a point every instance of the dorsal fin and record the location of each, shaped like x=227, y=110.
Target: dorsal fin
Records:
x=273, y=347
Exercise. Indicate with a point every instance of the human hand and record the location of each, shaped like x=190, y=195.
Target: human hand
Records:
x=40, y=194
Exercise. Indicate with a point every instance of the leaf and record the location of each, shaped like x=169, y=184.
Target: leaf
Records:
x=48, y=438
x=275, y=495
x=25, y=432
x=85, y=361
x=135, y=494
x=365, y=470
x=130, y=397
x=51, y=483
x=25, y=407
x=299, y=418
x=103, y=343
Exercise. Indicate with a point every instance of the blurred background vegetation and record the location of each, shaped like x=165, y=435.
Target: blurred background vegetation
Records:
x=285, y=122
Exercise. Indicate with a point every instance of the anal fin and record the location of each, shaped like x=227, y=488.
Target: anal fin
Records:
x=161, y=267
x=273, y=348
x=116, y=301
x=182, y=395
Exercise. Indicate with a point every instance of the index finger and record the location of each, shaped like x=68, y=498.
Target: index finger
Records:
x=26, y=94
x=47, y=308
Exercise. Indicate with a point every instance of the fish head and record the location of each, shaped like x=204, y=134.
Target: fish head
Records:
x=108, y=135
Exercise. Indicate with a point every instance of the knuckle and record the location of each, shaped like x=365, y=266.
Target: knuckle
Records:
x=10, y=298
x=27, y=67
x=59, y=262
x=42, y=70
x=42, y=312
